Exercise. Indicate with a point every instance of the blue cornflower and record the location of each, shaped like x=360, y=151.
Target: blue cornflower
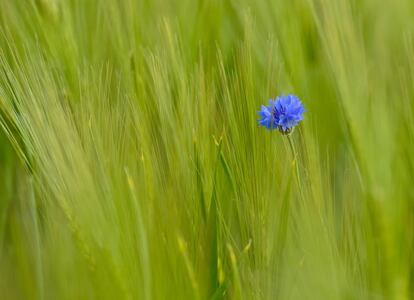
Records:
x=283, y=114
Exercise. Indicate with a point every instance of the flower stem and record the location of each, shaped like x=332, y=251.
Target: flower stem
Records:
x=295, y=160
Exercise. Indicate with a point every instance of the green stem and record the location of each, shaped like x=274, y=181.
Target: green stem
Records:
x=295, y=160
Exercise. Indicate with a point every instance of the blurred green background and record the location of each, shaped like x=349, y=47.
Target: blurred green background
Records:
x=132, y=166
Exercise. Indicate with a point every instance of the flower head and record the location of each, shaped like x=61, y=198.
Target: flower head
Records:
x=283, y=114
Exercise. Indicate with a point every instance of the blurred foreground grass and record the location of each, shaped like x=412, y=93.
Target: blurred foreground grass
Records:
x=132, y=166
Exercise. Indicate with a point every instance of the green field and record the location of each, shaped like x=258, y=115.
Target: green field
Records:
x=132, y=165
